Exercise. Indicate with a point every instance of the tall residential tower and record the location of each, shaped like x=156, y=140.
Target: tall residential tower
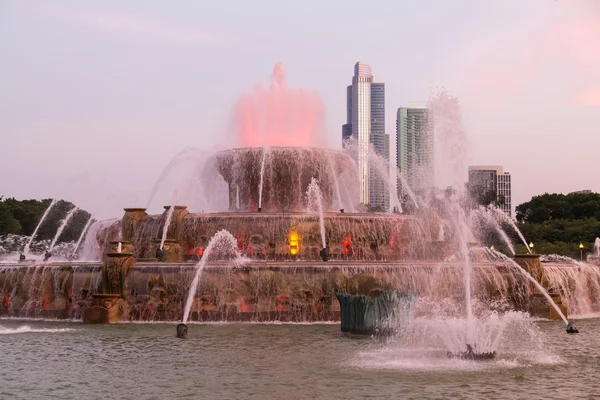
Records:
x=414, y=146
x=365, y=122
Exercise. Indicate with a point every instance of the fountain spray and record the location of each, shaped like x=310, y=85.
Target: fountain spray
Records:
x=52, y=204
x=62, y=227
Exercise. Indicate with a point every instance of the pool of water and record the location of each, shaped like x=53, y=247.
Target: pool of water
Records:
x=69, y=360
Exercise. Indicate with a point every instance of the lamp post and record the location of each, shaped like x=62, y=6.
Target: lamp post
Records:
x=581, y=252
x=530, y=247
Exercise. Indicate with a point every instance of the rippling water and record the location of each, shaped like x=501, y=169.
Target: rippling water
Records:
x=46, y=360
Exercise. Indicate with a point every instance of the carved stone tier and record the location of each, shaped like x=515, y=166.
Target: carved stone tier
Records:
x=286, y=173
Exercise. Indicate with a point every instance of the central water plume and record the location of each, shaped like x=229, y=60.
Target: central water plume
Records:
x=223, y=244
x=62, y=226
x=314, y=200
x=28, y=245
x=279, y=116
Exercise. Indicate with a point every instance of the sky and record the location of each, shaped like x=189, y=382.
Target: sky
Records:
x=97, y=97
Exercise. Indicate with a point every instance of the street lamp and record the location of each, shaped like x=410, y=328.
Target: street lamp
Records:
x=492, y=247
x=531, y=247
x=581, y=251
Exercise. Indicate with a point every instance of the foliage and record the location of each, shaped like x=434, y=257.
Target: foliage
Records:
x=572, y=206
x=558, y=223
x=562, y=248
x=27, y=214
x=8, y=223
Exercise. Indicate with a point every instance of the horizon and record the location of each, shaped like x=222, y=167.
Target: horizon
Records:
x=98, y=99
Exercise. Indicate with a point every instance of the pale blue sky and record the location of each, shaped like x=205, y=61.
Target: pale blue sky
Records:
x=97, y=96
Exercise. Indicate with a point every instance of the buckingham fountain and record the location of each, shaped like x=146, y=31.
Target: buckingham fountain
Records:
x=291, y=244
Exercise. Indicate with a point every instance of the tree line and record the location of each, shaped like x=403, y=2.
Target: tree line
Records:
x=21, y=217
x=558, y=223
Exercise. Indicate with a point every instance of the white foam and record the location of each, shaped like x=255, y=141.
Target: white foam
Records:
x=28, y=329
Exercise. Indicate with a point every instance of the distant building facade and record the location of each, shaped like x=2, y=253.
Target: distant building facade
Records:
x=365, y=122
x=414, y=147
x=492, y=182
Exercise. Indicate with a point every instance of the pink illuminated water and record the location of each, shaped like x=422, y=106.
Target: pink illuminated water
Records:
x=279, y=116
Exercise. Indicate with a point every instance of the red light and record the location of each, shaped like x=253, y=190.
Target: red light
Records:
x=200, y=252
x=345, y=251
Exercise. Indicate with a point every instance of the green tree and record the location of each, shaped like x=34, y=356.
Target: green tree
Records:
x=8, y=223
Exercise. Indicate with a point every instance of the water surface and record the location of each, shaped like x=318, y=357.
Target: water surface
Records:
x=67, y=360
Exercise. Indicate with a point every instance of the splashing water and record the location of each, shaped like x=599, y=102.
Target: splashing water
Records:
x=336, y=182
x=166, y=226
x=279, y=116
x=502, y=215
x=83, y=232
x=62, y=226
x=484, y=214
x=52, y=204
x=28, y=329
x=222, y=244
x=314, y=196
x=597, y=246
x=531, y=279
x=262, y=175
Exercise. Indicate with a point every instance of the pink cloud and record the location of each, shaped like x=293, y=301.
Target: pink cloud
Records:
x=589, y=97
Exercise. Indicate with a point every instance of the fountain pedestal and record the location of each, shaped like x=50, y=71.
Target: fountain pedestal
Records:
x=373, y=315
x=110, y=306
x=538, y=304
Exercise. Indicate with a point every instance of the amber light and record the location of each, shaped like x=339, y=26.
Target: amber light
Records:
x=294, y=246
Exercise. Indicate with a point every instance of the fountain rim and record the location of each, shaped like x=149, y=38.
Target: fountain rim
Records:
x=235, y=149
x=134, y=209
x=527, y=255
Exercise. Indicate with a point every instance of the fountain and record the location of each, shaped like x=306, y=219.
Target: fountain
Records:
x=229, y=262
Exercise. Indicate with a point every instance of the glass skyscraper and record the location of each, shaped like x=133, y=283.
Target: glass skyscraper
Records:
x=414, y=147
x=365, y=122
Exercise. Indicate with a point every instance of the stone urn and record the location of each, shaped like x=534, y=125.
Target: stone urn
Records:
x=109, y=306
x=176, y=222
x=131, y=221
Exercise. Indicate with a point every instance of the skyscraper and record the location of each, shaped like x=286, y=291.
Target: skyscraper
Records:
x=414, y=146
x=491, y=184
x=365, y=122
